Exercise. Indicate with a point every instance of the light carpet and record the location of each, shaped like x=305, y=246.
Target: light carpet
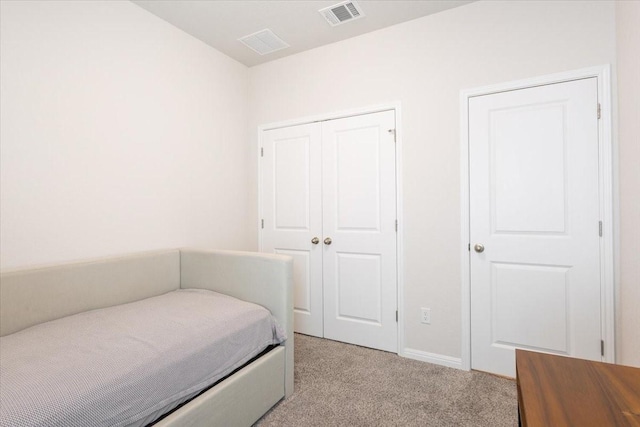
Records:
x=339, y=384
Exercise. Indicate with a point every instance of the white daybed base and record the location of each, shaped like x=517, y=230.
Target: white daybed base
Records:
x=239, y=400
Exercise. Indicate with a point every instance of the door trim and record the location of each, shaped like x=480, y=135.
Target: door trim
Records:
x=608, y=199
x=395, y=106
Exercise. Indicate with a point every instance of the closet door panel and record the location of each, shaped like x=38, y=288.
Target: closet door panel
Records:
x=359, y=213
x=292, y=214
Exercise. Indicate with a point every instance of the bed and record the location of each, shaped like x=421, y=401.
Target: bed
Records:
x=171, y=338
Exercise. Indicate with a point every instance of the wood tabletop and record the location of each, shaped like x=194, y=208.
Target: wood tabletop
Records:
x=562, y=391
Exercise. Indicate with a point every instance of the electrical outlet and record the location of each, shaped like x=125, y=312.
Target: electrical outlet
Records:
x=425, y=315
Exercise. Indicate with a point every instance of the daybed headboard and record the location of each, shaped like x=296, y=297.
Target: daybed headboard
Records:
x=35, y=295
x=260, y=278
x=263, y=279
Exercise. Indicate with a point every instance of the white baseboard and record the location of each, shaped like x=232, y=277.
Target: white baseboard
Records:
x=436, y=359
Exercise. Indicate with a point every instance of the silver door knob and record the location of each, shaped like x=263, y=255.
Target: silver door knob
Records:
x=478, y=248
x=327, y=241
x=315, y=240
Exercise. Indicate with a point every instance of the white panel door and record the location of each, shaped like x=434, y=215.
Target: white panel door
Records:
x=359, y=213
x=534, y=207
x=292, y=214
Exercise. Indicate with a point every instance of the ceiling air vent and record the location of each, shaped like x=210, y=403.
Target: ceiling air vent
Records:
x=341, y=13
x=263, y=42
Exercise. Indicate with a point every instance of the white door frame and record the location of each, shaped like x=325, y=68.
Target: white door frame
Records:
x=395, y=106
x=606, y=190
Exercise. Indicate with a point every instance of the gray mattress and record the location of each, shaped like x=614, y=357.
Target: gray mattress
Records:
x=128, y=364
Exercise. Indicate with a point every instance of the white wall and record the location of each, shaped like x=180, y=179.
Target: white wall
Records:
x=628, y=56
x=424, y=64
x=119, y=133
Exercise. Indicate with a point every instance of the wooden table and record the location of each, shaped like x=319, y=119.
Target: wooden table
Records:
x=561, y=391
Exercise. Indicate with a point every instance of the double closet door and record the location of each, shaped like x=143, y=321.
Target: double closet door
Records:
x=328, y=199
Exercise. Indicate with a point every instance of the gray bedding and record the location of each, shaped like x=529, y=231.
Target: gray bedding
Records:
x=123, y=365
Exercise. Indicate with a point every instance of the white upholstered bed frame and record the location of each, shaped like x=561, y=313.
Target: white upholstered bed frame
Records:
x=36, y=295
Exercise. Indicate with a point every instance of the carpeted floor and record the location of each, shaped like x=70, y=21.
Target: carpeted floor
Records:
x=338, y=384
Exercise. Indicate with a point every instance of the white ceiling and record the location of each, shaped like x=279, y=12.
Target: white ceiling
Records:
x=220, y=23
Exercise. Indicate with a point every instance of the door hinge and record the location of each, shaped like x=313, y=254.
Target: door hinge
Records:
x=261, y=152
x=396, y=225
x=601, y=347
x=262, y=223
x=599, y=112
x=393, y=131
x=600, y=228
x=396, y=316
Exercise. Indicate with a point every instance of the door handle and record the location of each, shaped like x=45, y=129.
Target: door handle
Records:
x=478, y=248
x=315, y=240
x=327, y=241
